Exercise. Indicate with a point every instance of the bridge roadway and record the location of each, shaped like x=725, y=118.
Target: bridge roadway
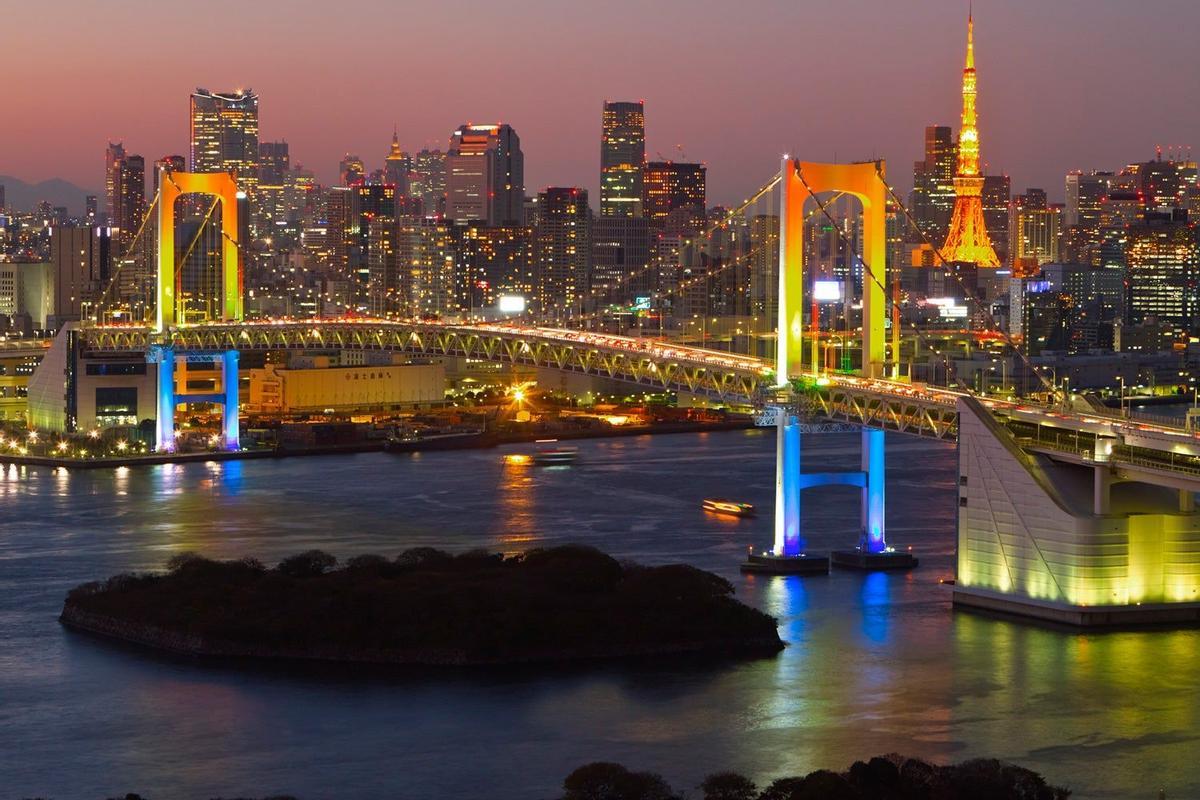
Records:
x=917, y=409
x=654, y=364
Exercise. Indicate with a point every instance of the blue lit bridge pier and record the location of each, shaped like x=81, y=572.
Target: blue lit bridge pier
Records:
x=789, y=555
x=195, y=378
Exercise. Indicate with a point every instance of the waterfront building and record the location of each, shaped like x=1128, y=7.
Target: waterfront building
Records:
x=622, y=158
x=317, y=383
x=485, y=175
x=967, y=240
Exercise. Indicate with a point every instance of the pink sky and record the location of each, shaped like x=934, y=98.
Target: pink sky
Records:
x=1068, y=84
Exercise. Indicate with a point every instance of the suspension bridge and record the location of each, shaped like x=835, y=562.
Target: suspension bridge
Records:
x=1065, y=512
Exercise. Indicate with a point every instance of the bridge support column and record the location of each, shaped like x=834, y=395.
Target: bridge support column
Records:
x=874, y=469
x=164, y=428
x=1101, y=490
x=229, y=409
x=788, y=541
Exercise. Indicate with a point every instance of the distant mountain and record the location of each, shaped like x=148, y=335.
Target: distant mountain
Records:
x=24, y=196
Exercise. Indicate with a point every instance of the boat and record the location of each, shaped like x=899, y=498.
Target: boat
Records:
x=555, y=456
x=729, y=508
x=457, y=440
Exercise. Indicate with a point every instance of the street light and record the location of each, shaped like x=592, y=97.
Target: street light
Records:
x=1121, y=396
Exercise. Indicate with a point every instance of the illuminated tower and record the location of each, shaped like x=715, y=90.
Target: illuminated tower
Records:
x=967, y=241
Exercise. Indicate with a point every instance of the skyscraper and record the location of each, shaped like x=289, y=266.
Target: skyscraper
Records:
x=997, y=193
x=967, y=240
x=563, y=251
x=274, y=163
x=125, y=185
x=224, y=135
x=396, y=166
x=428, y=181
x=114, y=154
x=1162, y=261
x=80, y=257
x=485, y=175
x=674, y=197
x=622, y=158
x=351, y=170
x=933, y=183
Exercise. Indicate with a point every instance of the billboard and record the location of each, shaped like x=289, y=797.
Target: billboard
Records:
x=511, y=304
x=827, y=291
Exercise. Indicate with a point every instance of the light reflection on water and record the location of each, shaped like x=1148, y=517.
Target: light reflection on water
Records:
x=876, y=663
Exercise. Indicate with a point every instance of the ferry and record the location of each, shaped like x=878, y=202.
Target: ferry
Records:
x=730, y=508
x=556, y=456
x=456, y=440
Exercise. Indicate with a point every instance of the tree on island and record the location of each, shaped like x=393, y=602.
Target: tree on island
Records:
x=882, y=778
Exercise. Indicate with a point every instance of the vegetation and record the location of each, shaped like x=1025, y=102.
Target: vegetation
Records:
x=425, y=606
x=884, y=778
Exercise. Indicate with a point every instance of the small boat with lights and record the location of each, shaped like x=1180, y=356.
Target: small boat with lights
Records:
x=455, y=440
x=555, y=456
x=729, y=508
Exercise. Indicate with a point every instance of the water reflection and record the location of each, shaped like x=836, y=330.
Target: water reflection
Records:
x=875, y=663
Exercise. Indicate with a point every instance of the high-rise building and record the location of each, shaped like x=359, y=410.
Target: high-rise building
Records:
x=932, y=198
x=351, y=170
x=764, y=269
x=114, y=155
x=485, y=175
x=967, y=241
x=563, y=251
x=274, y=163
x=622, y=159
x=492, y=262
x=1085, y=197
x=397, y=166
x=80, y=259
x=620, y=255
x=125, y=184
x=428, y=181
x=1162, y=266
x=91, y=209
x=997, y=193
x=171, y=163
x=1034, y=232
x=674, y=197
x=224, y=135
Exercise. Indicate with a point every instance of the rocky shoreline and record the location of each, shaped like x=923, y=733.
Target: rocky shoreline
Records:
x=184, y=644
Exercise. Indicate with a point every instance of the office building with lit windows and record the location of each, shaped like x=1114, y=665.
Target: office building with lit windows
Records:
x=1162, y=266
x=674, y=196
x=563, y=251
x=224, y=135
x=622, y=159
x=485, y=175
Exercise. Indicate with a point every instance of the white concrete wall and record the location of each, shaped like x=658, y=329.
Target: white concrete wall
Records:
x=1027, y=533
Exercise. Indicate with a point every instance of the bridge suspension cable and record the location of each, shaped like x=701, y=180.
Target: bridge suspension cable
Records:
x=728, y=217
x=114, y=279
x=1029, y=367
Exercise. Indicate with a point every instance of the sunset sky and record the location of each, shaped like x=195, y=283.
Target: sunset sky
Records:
x=1067, y=84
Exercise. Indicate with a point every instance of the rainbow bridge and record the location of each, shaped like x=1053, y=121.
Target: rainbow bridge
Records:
x=1067, y=512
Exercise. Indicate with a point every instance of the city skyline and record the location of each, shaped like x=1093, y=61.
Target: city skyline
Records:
x=1032, y=96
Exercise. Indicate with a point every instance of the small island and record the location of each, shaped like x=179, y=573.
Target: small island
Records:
x=425, y=607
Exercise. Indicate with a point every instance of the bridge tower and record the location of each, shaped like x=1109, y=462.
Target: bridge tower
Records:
x=799, y=182
x=222, y=186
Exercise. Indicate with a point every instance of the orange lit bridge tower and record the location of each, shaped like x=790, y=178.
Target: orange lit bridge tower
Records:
x=967, y=240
